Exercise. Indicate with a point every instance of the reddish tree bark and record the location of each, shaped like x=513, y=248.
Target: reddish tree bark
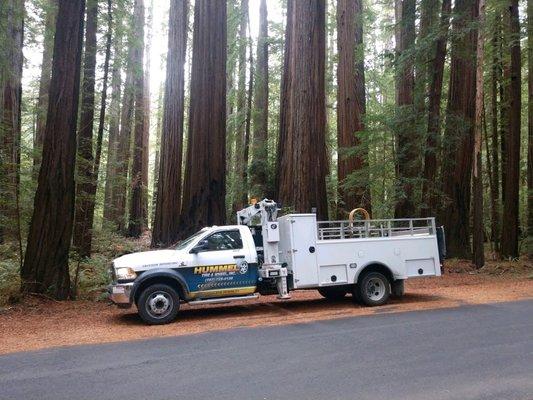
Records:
x=510, y=226
x=82, y=235
x=44, y=83
x=240, y=198
x=429, y=188
x=114, y=128
x=167, y=209
x=12, y=29
x=407, y=148
x=351, y=107
x=286, y=83
x=495, y=146
x=87, y=207
x=303, y=161
x=123, y=155
x=259, y=163
x=137, y=215
x=459, y=132
x=478, y=232
x=45, y=266
x=530, y=128
x=204, y=187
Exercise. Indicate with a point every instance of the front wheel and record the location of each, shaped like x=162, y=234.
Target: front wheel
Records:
x=158, y=304
x=373, y=289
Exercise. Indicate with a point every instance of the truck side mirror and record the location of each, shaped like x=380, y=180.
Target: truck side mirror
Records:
x=201, y=246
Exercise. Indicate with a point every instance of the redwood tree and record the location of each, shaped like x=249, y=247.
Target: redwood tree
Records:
x=436, y=73
x=204, y=187
x=302, y=147
x=510, y=226
x=530, y=128
x=351, y=106
x=120, y=188
x=85, y=212
x=114, y=128
x=259, y=163
x=44, y=82
x=407, y=149
x=82, y=236
x=137, y=221
x=240, y=184
x=478, y=232
x=459, y=131
x=12, y=16
x=168, y=201
x=45, y=266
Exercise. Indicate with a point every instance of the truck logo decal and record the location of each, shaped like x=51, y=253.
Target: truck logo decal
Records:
x=243, y=267
x=213, y=269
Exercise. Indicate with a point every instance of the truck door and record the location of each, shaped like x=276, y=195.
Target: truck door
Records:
x=225, y=268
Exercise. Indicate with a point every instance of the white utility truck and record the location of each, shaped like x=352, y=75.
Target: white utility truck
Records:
x=264, y=255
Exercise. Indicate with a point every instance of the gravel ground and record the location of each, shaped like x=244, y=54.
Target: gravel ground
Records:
x=40, y=323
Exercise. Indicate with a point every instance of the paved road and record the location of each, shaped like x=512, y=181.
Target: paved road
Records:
x=480, y=352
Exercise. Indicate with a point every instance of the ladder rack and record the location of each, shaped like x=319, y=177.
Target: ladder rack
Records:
x=375, y=228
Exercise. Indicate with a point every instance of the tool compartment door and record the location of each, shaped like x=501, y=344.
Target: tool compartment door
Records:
x=303, y=238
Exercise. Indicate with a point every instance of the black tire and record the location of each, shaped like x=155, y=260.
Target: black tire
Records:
x=333, y=293
x=158, y=304
x=372, y=289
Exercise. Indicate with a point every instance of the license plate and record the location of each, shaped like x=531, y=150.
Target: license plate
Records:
x=118, y=290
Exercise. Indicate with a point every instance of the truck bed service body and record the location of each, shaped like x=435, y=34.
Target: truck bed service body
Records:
x=267, y=255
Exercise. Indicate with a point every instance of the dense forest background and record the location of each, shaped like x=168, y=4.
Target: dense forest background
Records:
x=408, y=108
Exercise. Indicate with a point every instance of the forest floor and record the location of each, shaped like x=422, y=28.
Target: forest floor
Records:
x=37, y=323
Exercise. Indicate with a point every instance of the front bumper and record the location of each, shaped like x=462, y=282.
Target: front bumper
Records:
x=120, y=294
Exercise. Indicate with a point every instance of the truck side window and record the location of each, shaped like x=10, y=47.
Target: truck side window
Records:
x=227, y=240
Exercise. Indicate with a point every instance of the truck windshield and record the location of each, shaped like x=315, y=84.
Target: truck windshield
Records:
x=185, y=242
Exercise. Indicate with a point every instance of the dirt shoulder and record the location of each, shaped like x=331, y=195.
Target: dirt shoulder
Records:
x=40, y=323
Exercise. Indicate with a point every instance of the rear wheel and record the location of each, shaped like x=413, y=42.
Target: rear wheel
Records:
x=373, y=289
x=158, y=304
x=332, y=293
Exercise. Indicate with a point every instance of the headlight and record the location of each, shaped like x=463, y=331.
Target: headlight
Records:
x=126, y=274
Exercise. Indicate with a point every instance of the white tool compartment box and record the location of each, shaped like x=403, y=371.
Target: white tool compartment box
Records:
x=298, y=248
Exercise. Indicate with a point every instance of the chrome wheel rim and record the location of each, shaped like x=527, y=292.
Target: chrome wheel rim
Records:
x=375, y=289
x=159, y=304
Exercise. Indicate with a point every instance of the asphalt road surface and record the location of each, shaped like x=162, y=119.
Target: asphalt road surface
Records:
x=471, y=352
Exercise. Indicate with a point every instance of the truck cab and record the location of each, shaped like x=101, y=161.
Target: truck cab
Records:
x=264, y=255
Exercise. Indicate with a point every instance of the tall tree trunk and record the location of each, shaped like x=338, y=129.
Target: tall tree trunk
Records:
x=204, y=189
x=147, y=109
x=45, y=266
x=12, y=29
x=240, y=185
x=351, y=106
x=495, y=146
x=168, y=201
x=407, y=138
x=478, y=231
x=87, y=208
x=303, y=160
x=248, y=122
x=530, y=129
x=123, y=155
x=429, y=194
x=44, y=83
x=286, y=84
x=82, y=235
x=114, y=128
x=510, y=226
x=157, y=158
x=136, y=216
x=259, y=164
x=459, y=131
